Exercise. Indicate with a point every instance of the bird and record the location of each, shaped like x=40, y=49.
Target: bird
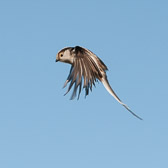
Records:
x=86, y=69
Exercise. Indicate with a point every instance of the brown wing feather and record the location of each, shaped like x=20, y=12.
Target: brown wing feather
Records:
x=84, y=72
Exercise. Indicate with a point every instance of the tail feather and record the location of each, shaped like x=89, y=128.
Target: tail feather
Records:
x=111, y=91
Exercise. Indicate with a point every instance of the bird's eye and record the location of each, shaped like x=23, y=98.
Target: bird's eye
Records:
x=61, y=55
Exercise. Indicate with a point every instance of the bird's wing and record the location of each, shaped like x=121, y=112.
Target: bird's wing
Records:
x=111, y=91
x=83, y=73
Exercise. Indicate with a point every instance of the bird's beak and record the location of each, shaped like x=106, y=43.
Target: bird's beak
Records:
x=57, y=59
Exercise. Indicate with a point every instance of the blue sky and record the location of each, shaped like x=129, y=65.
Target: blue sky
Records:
x=39, y=127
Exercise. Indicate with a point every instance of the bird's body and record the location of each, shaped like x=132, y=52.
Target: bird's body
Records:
x=86, y=69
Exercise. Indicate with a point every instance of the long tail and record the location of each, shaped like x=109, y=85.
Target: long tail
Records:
x=111, y=91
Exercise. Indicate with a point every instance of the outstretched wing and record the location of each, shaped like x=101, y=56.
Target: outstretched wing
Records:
x=84, y=72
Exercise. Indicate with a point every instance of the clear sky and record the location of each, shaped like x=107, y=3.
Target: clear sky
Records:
x=39, y=127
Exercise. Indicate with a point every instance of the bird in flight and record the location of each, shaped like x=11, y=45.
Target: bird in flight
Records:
x=86, y=69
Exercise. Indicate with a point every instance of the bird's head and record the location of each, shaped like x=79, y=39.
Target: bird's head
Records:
x=65, y=55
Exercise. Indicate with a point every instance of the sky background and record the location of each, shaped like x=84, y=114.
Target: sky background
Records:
x=39, y=127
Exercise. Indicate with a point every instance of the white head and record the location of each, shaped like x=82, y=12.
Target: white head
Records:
x=65, y=55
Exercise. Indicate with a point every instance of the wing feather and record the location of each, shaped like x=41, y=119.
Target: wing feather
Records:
x=84, y=73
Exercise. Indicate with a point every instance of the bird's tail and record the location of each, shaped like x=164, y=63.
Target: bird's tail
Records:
x=111, y=91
